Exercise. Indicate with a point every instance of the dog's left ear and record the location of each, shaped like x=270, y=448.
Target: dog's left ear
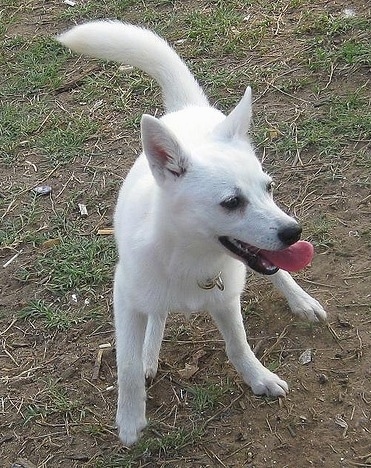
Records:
x=237, y=123
x=165, y=155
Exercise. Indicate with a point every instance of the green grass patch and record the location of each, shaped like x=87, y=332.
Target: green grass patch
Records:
x=36, y=127
x=54, y=401
x=63, y=142
x=207, y=396
x=76, y=264
x=113, y=9
x=19, y=123
x=25, y=227
x=222, y=31
x=32, y=65
x=323, y=24
x=321, y=230
x=169, y=444
x=331, y=127
x=354, y=52
x=51, y=315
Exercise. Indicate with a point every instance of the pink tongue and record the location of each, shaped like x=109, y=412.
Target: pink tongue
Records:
x=294, y=258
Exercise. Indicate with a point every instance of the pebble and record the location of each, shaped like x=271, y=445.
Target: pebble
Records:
x=322, y=379
x=42, y=189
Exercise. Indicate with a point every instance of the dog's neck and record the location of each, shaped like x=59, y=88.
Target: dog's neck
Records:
x=187, y=256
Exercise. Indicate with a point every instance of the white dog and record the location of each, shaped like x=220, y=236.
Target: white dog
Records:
x=195, y=210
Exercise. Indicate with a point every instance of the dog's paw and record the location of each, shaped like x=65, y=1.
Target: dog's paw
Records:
x=268, y=383
x=150, y=367
x=129, y=427
x=308, y=308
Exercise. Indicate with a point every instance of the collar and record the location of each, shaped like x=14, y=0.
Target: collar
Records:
x=210, y=283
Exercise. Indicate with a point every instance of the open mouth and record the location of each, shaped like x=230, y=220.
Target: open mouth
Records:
x=268, y=262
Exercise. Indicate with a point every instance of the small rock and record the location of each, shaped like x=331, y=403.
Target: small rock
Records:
x=348, y=13
x=241, y=437
x=42, y=189
x=83, y=210
x=126, y=68
x=305, y=357
x=322, y=379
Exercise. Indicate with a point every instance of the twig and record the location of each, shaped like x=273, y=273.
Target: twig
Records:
x=12, y=258
x=330, y=77
x=9, y=326
x=76, y=82
x=288, y=94
x=238, y=450
x=9, y=355
x=358, y=464
x=216, y=415
x=360, y=344
x=279, y=339
x=334, y=334
x=213, y=456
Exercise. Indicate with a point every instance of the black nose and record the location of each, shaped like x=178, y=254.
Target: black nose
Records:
x=290, y=235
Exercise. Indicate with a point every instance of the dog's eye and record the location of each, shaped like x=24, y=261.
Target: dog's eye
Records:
x=270, y=186
x=232, y=203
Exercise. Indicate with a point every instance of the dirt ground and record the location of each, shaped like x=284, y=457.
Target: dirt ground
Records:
x=58, y=374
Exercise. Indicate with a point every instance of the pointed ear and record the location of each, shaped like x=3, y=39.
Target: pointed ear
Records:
x=237, y=123
x=165, y=155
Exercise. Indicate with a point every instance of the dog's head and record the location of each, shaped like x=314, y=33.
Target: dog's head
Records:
x=218, y=191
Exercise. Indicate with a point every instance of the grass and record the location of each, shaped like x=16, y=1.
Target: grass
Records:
x=51, y=315
x=30, y=120
x=54, y=401
x=327, y=129
x=33, y=127
x=75, y=265
x=321, y=230
x=207, y=396
x=33, y=65
x=330, y=26
x=206, y=26
x=114, y=9
x=169, y=444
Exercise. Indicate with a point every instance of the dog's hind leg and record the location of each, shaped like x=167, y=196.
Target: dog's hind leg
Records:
x=300, y=302
x=261, y=380
x=152, y=344
x=130, y=332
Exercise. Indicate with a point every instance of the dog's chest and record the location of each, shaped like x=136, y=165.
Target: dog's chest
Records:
x=193, y=294
x=190, y=298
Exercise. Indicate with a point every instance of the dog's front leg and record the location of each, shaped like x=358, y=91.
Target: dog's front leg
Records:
x=130, y=327
x=152, y=343
x=261, y=380
x=300, y=302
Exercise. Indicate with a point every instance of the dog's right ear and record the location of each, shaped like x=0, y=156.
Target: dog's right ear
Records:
x=166, y=157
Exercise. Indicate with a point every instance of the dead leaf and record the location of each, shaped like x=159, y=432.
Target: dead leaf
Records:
x=50, y=243
x=191, y=368
x=188, y=371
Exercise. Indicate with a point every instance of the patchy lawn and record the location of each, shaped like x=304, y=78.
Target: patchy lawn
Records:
x=72, y=124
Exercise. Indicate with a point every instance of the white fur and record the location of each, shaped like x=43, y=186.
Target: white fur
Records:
x=169, y=217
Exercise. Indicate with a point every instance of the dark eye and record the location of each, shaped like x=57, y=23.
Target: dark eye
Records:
x=232, y=203
x=270, y=186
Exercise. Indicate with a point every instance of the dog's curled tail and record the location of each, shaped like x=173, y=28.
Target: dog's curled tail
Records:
x=141, y=48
